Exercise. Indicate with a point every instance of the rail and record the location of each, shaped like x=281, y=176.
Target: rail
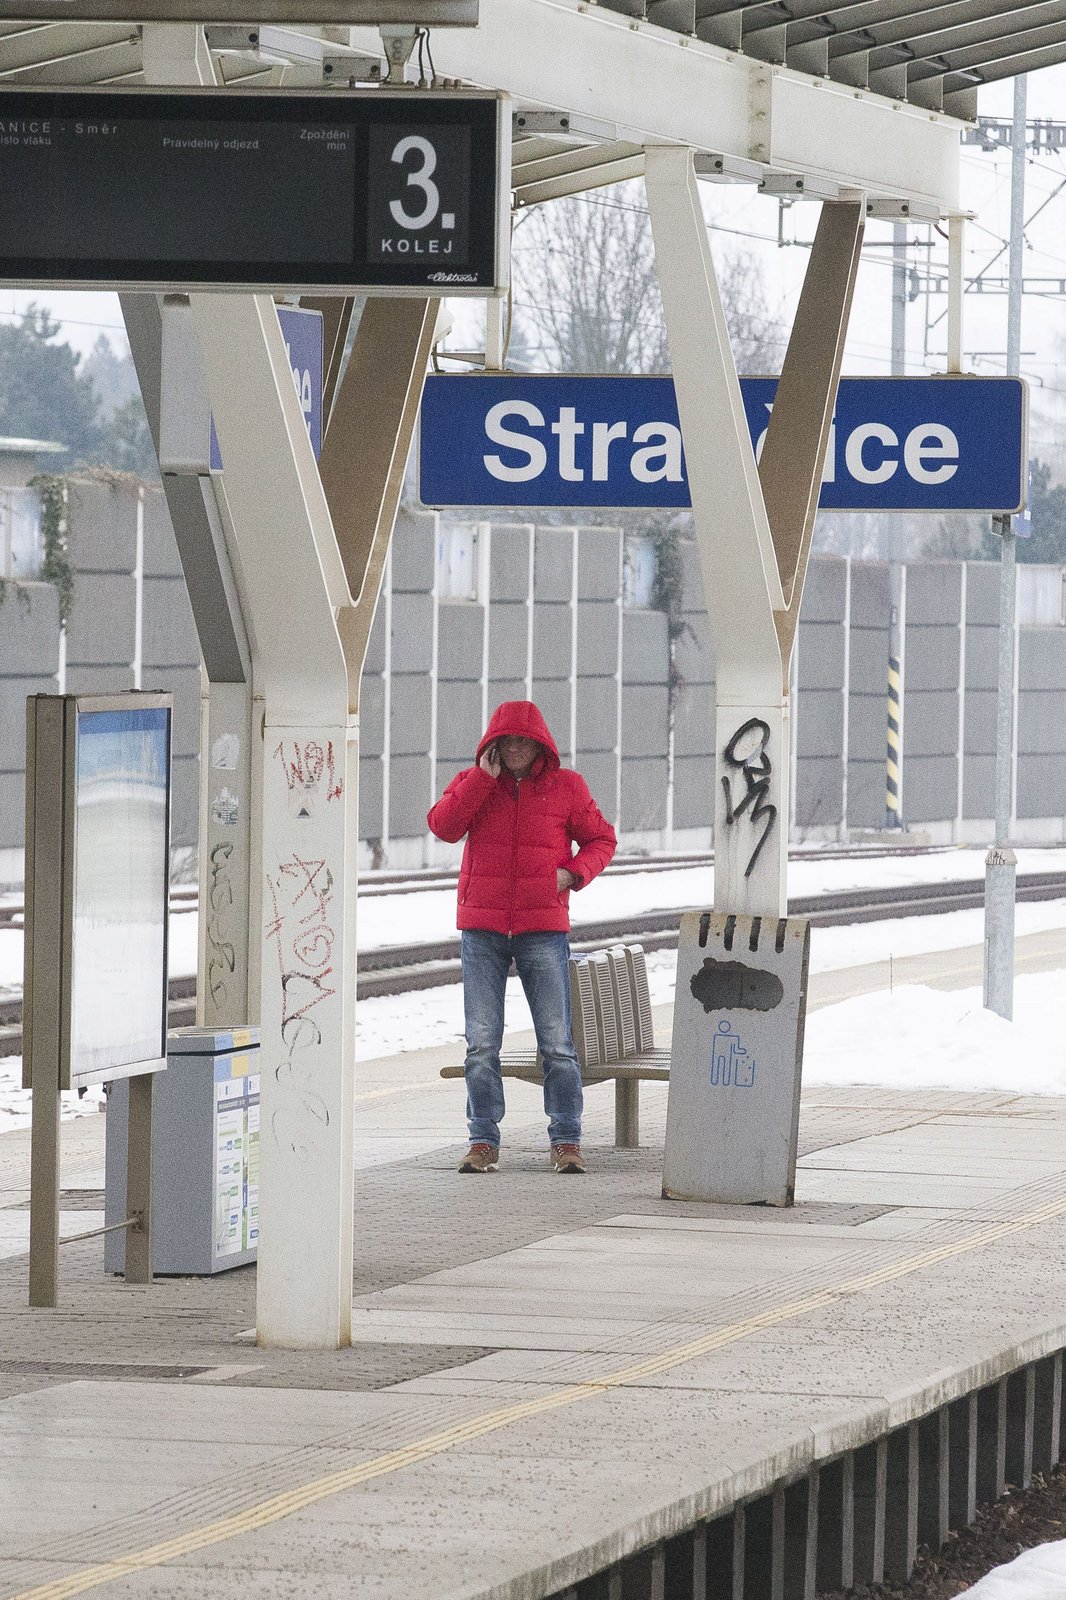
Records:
x=184, y=897
x=401, y=969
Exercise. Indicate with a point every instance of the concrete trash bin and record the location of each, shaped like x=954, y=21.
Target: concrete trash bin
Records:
x=739, y=1010
x=205, y=1155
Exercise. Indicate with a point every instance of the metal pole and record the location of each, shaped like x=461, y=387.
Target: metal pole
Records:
x=893, y=747
x=44, y=1183
x=42, y=1025
x=139, y=1178
x=1000, y=863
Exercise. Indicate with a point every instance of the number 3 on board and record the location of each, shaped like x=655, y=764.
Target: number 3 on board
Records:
x=420, y=177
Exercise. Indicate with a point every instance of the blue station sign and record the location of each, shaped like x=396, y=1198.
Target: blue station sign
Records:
x=302, y=332
x=897, y=444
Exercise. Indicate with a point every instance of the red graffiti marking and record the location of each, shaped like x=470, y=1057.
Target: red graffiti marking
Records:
x=305, y=766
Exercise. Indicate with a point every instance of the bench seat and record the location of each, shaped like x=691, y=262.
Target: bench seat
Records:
x=613, y=1037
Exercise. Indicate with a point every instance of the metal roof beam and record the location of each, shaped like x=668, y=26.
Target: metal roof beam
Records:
x=85, y=65
x=58, y=42
x=958, y=84
x=428, y=13
x=652, y=86
x=943, y=27
x=999, y=48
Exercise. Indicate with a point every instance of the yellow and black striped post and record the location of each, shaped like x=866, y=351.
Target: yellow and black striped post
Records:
x=892, y=756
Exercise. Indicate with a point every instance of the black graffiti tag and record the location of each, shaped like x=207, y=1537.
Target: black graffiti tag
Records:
x=301, y=894
x=753, y=736
x=221, y=955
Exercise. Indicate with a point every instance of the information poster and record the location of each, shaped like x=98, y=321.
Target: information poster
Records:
x=121, y=858
x=251, y=1166
x=236, y=1156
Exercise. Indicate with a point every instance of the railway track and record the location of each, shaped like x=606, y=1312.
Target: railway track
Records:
x=417, y=881
x=399, y=969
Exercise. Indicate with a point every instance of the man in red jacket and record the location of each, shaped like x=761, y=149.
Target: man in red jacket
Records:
x=522, y=814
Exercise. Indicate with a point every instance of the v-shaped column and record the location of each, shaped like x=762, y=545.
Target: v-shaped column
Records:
x=753, y=523
x=309, y=549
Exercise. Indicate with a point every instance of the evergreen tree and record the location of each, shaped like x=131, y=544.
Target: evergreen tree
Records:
x=91, y=406
x=127, y=441
x=42, y=393
x=965, y=537
x=1048, y=504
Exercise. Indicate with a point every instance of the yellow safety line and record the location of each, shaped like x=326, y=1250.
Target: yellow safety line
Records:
x=293, y=1500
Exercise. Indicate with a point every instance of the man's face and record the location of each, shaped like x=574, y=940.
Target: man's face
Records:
x=517, y=753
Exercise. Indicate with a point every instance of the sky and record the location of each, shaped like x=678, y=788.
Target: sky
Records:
x=742, y=219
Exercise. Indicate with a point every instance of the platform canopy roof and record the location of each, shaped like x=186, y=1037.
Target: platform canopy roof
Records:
x=804, y=97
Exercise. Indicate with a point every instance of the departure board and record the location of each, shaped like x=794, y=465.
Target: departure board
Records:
x=396, y=193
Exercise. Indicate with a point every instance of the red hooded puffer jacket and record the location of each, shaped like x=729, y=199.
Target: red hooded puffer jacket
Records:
x=520, y=833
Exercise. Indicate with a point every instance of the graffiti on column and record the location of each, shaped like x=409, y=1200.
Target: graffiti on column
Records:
x=301, y=928
x=221, y=954
x=305, y=767
x=301, y=891
x=747, y=757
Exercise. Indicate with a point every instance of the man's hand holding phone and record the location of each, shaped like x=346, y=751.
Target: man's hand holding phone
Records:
x=490, y=761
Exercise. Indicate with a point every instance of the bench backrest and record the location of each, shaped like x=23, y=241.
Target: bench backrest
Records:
x=637, y=964
x=585, y=1023
x=611, y=1005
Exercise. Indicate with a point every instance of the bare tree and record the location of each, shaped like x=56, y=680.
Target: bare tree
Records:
x=587, y=300
x=587, y=292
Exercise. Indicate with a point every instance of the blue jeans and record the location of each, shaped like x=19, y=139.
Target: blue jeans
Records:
x=541, y=959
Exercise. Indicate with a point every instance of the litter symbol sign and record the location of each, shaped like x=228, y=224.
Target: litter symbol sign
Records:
x=739, y=1007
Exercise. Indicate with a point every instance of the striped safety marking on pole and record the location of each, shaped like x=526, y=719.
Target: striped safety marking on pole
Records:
x=892, y=815
x=289, y=1502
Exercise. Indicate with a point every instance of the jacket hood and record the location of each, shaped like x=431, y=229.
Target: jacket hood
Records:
x=522, y=719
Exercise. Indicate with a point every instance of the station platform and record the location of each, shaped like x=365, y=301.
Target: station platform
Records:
x=552, y=1379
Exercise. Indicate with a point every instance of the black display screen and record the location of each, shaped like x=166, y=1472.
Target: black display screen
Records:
x=188, y=189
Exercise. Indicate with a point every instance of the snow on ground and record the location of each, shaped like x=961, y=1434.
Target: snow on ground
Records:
x=919, y=1038
x=430, y=913
x=913, y=1036
x=1038, y=1574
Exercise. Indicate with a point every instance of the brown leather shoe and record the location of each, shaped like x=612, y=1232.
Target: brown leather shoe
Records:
x=480, y=1158
x=567, y=1158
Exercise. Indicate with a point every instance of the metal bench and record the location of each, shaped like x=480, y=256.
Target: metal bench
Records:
x=613, y=1034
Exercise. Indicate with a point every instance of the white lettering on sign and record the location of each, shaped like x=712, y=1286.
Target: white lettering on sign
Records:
x=873, y=452
x=934, y=442
x=872, y=470
x=567, y=428
x=667, y=453
x=302, y=382
x=866, y=463
x=658, y=459
x=535, y=453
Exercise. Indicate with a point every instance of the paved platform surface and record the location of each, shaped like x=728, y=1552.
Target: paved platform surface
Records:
x=547, y=1373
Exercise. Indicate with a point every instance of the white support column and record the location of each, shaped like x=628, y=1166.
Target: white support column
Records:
x=430, y=842
x=754, y=527
x=171, y=377
x=572, y=734
x=386, y=736
x=292, y=585
x=845, y=692
x=740, y=572
x=956, y=289
x=138, y=595
x=484, y=568
x=793, y=734
x=960, y=791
